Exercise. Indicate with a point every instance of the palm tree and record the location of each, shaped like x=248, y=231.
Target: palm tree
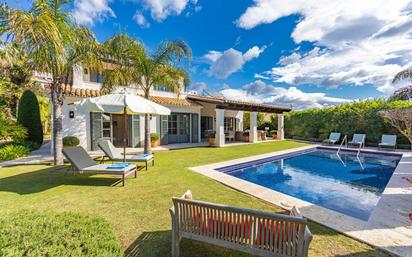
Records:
x=404, y=74
x=133, y=65
x=53, y=43
x=404, y=93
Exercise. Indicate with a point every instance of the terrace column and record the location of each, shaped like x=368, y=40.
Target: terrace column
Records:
x=253, y=136
x=281, y=127
x=220, y=127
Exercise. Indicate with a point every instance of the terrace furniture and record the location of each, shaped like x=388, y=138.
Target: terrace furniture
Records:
x=333, y=138
x=83, y=163
x=388, y=141
x=358, y=140
x=230, y=135
x=254, y=232
x=115, y=155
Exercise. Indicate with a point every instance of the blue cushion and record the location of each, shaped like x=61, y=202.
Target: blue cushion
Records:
x=118, y=165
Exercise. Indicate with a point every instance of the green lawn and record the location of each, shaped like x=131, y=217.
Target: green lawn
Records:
x=139, y=213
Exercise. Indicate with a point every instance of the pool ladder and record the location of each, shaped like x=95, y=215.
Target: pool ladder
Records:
x=344, y=140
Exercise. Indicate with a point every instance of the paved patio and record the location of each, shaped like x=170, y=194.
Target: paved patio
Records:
x=388, y=228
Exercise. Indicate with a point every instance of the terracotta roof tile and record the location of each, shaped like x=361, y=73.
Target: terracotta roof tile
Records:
x=87, y=92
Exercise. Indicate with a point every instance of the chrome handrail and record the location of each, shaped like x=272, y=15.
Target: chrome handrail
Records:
x=345, y=139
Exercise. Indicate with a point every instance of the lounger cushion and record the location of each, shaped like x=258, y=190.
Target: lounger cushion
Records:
x=103, y=168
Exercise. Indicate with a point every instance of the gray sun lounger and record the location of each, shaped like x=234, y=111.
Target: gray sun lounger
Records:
x=388, y=141
x=83, y=163
x=358, y=140
x=114, y=154
x=333, y=138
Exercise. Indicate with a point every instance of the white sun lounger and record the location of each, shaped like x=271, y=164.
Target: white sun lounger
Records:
x=83, y=163
x=333, y=138
x=358, y=140
x=114, y=154
x=388, y=141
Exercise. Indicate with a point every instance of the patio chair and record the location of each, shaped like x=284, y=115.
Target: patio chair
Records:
x=388, y=141
x=113, y=154
x=230, y=135
x=333, y=138
x=83, y=163
x=358, y=140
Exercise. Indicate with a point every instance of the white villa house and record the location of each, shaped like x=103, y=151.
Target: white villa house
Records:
x=193, y=117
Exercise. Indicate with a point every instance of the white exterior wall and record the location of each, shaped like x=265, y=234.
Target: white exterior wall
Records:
x=79, y=126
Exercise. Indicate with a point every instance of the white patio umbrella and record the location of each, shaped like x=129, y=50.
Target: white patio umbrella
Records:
x=123, y=103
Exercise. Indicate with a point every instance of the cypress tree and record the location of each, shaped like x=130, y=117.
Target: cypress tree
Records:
x=29, y=117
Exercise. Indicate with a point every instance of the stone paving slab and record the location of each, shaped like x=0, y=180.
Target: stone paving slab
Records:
x=388, y=228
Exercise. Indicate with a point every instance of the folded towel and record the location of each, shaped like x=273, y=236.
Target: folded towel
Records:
x=142, y=155
x=118, y=165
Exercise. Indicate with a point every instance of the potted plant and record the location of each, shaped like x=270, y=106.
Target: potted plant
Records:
x=212, y=138
x=274, y=134
x=263, y=135
x=246, y=136
x=154, y=139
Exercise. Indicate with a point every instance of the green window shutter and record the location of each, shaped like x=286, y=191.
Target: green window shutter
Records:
x=96, y=129
x=164, y=127
x=195, y=127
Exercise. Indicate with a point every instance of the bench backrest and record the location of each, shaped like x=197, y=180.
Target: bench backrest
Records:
x=256, y=232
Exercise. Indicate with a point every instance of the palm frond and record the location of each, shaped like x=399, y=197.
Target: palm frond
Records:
x=402, y=75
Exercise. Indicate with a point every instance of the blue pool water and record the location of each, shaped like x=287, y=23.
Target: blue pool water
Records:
x=343, y=183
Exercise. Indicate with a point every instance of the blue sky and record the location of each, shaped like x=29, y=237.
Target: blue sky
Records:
x=306, y=53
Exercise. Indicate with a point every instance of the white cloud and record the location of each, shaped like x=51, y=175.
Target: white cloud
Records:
x=87, y=12
x=161, y=9
x=259, y=91
x=357, y=42
x=141, y=20
x=223, y=64
x=197, y=87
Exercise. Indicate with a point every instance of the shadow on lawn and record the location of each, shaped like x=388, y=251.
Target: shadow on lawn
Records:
x=44, y=179
x=158, y=243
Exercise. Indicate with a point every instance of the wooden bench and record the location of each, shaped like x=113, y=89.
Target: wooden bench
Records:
x=251, y=231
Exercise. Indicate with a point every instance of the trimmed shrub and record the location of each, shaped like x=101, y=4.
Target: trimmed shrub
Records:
x=13, y=151
x=28, y=233
x=29, y=116
x=11, y=130
x=356, y=117
x=70, y=141
x=154, y=136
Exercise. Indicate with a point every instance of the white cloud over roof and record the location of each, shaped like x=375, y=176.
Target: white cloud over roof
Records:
x=223, y=64
x=259, y=91
x=356, y=42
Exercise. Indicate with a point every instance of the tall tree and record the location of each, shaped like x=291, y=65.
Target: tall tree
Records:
x=404, y=93
x=52, y=42
x=133, y=65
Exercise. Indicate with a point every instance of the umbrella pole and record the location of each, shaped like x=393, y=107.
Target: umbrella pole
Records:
x=124, y=134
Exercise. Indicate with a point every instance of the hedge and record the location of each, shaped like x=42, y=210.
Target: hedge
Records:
x=28, y=233
x=356, y=117
x=29, y=116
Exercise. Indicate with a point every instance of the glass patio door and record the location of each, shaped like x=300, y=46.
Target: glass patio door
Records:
x=179, y=128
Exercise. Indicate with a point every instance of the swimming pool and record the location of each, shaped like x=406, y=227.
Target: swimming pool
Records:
x=344, y=183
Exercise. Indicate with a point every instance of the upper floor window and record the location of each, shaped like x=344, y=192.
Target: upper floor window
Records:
x=92, y=76
x=162, y=88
